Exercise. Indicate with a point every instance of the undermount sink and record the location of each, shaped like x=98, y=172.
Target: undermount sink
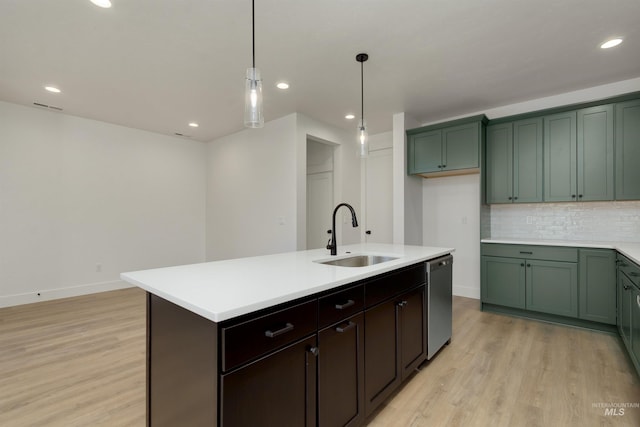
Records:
x=358, y=260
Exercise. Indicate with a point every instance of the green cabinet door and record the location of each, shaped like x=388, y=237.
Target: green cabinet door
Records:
x=560, y=157
x=502, y=281
x=625, y=288
x=627, y=147
x=425, y=152
x=635, y=327
x=499, y=163
x=527, y=161
x=595, y=153
x=552, y=287
x=597, y=285
x=461, y=147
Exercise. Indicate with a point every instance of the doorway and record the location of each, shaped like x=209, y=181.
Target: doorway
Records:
x=319, y=192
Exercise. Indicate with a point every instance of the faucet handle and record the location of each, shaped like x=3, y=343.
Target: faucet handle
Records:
x=329, y=245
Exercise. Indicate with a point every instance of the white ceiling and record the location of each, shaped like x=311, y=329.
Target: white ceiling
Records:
x=159, y=64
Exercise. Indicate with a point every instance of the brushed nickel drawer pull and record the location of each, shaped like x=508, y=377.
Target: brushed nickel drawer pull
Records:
x=345, y=328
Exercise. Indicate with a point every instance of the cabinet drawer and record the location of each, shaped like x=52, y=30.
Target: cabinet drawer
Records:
x=387, y=286
x=554, y=253
x=255, y=337
x=630, y=268
x=340, y=305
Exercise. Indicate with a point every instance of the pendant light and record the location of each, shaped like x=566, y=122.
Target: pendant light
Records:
x=363, y=136
x=253, y=117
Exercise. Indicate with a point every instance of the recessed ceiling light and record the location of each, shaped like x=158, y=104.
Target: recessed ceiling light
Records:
x=194, y=124
x=52, y=89
x=282, y=85
x=349, y=117
x=611, y=43
x=102, y=3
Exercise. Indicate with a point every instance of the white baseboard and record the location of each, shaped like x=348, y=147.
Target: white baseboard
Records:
x=51, y=294
x=466, y=291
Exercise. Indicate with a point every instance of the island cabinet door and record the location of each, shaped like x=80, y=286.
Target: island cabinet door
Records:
x=341, y=373
x=278, y=390
x=382, y=370
x=413, y=331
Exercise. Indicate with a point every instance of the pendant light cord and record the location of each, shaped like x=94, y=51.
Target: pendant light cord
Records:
x=253, y=32
x=362, y=91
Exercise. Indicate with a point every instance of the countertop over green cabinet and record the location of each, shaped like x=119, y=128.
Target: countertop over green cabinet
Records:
x=451, y=148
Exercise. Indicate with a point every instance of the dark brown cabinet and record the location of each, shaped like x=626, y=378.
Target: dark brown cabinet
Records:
x=328, y=359
x=395, y=331
x=278, y=390
x=341, y=373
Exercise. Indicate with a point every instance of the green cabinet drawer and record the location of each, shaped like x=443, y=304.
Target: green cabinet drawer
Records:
x=630, y=269
x=555, y=253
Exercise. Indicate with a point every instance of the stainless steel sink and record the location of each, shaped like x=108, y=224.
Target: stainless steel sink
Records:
x=358, y=260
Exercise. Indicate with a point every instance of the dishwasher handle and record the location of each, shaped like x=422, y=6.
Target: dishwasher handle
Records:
x=438, y=263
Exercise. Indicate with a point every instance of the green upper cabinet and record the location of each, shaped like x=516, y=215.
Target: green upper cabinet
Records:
x=514, y=162
x=578, y=160
x=446, y=147
x=560, y=157
x=595, y=153
x=628, y=150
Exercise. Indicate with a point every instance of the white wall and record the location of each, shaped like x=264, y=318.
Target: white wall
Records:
x=251, y=190
x=438, y=204
x=256, y=187
x=75, y=193
x=451, y=213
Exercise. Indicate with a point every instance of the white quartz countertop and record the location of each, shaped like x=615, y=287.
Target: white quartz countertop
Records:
x=629, y=249
x=221, y=290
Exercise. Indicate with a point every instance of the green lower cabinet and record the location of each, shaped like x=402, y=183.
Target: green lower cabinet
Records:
x=625, y=291
x=552, y=287
x=503, y=281
x=597, y=285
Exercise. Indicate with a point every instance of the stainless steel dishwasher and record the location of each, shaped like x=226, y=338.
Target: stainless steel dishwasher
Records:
x=439, y=300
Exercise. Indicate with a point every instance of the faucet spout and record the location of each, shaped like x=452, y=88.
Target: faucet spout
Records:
x=333, y=244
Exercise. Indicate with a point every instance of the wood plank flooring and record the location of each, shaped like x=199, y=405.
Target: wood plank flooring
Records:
x=81, y=362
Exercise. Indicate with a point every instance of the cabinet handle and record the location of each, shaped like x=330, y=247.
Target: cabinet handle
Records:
x=526, y=253
x=439, y=166
x=573, y=196
x=515, y=198
x=579, y=196
x=626, y=287
x=367, y=232
x=349, y=303
x=444, y=166
x=402, y=303
x=634, y=274
x=349, y=325
x=528, y=265
x=314, y=350
x=272, y=334
x=510, y=198
x=522, y=265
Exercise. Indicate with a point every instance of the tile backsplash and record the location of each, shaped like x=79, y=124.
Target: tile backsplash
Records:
x=598, y=221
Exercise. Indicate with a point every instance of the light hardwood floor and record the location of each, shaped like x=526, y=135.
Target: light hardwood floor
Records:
x=80, y=362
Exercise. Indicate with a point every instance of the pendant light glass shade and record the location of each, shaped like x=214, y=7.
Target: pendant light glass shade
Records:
x=253, y=117
x=363, y=139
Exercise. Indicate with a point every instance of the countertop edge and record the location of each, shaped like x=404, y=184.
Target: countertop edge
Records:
x=629, y=249
x=224, y=315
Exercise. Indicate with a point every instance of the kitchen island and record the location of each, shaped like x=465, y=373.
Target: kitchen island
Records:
x=281, y=339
